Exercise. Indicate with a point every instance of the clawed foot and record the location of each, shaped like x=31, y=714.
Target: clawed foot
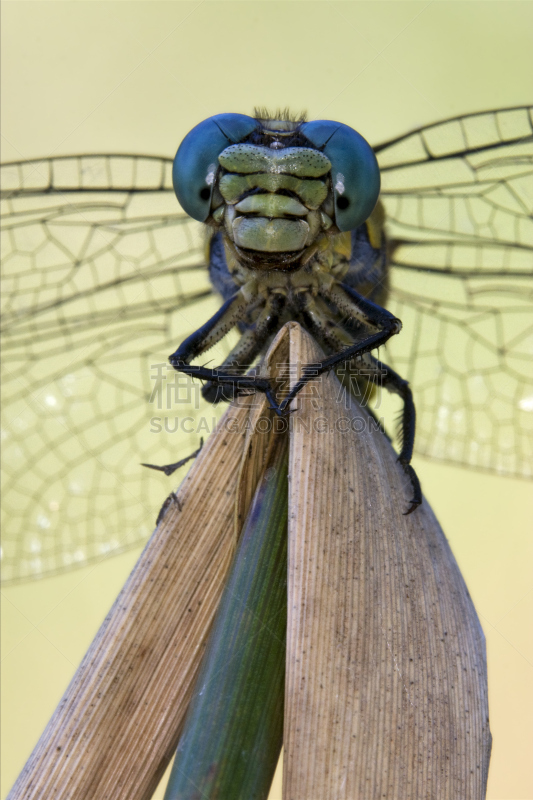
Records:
x=416, y=499
x=172, y=498
x=168, y=469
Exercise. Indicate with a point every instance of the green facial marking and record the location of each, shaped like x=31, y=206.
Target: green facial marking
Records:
x=303, y=162
x=313, y=220
x=326, y=221
x=271, y=205
x=270, y=236
x=312, y=193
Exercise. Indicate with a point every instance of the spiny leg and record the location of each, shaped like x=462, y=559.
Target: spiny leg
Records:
x=318, y=319
x=232, y=312
x=168, y=469
x=362, y=311
x=357, y=308
x=379, y=373
x=362, y=388
x=247, y=349
x=172, y=498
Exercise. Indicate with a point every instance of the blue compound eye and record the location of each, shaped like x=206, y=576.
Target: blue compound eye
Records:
x=354, y=170
x=196, y=162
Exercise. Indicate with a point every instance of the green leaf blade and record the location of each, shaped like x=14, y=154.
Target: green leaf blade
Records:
x=233, y=732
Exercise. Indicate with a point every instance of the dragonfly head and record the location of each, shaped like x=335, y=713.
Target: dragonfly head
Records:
x=276, y=187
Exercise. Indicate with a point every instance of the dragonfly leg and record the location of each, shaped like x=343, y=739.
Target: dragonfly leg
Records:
x=379, y=373
x=232, y=312
x=169, y=469
x=247, y=349
x=359, y=310
x=172, y=498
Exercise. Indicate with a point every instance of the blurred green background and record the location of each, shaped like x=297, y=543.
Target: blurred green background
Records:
x=80, y=77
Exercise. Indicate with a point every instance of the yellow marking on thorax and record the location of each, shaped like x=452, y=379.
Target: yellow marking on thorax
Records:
x=208, y=235
x=374, y=225
x=342, y=245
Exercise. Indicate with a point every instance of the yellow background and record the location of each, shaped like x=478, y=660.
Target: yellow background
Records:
x=135, y=77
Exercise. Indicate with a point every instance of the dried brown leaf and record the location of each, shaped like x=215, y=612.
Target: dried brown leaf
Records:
x=386, y=692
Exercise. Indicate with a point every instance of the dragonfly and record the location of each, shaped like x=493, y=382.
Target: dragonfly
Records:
x=104, y=276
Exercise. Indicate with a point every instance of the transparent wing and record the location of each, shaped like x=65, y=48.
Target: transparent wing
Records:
x=102, y=279
x=459, y=198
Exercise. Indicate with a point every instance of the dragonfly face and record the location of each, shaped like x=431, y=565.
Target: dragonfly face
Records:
x=276, y=186
x=102, y=279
